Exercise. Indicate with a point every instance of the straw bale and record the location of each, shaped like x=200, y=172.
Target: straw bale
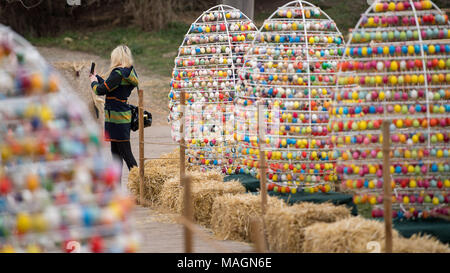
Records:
x=420, y=244
x=351, y=235
x=156, y=173
x=231, y=214
x=285, y=226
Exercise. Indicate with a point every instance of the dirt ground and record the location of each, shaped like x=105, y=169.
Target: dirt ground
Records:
x=158, y=234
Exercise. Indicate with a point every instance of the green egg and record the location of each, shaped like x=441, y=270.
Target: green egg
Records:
x=404, y=109
x=391, y=35
x=378, y=36
x=403, y=36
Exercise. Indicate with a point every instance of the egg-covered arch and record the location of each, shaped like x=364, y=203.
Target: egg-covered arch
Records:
x=396, y=68
x=205, y=70
x=290, y=70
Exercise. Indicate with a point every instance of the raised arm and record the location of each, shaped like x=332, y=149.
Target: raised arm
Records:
x=103, y=87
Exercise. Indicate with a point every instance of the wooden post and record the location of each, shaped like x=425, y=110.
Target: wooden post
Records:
x=257, y=234
x=188, y=214
x=141, y=146
x=262, y=160
x=182, y=140
x=387, y=198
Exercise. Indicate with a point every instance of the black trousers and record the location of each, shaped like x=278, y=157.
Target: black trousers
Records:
x=122, y=151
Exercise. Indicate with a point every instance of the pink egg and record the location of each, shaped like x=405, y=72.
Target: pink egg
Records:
x=418, y=5
x=379, y=199
x=405, y=20
x=380, y=185
x=379, y=173
x=424, y=169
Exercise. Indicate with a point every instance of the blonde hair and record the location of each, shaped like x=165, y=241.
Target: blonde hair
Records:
x=121, y=57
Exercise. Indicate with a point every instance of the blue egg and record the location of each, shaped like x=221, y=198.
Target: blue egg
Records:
x=379, y=50
x=416, y=49
x=372, y=109
x=345, y=111
x=366, y=183
x=358, y=109
x=425, y=48
x=369, y=51
x=88, y=217
x=398, y=169
x=434, y=168
x=353, y=139
x=447, y=48
x=391, y=49
x=359, y=51
x=418, y=108
x=437, y=48
x=400, y=214
x=404, y=49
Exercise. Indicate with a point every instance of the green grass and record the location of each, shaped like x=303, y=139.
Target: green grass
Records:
x=154, y=50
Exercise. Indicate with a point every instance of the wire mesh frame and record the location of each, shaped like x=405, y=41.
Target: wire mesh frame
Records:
x=300, y=4
x=435, y=10
x=220, y=9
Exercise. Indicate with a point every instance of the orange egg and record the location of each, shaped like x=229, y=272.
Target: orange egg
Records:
x=32, y=182
x=53, y=83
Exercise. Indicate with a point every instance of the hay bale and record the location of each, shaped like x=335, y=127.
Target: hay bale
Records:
x=231, y=214
x=171, y=194
x=156, y=173
x=204, y=194
x=285, y=226
x=419, y=244
x=350, y=235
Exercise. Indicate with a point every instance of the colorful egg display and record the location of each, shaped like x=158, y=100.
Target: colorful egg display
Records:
x=206, y=70
x=57, y=188
x=290, y=71
x=396, y=67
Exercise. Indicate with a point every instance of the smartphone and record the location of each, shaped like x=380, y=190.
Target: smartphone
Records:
x=92, y=68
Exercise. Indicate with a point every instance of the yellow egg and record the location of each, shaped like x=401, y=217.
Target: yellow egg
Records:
x=23, y=222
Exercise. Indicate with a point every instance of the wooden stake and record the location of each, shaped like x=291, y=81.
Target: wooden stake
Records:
x=188, y=214
x=182, y=140
x=387, y=199
x=141, y=146
x=262, y=161
x=257, y=234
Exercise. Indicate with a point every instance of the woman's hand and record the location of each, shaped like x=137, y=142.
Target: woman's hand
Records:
x=93, y=78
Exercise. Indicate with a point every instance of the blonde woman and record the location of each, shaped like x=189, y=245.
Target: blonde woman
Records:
x=117, y=88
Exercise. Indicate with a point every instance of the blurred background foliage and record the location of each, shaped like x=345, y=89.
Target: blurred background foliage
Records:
x=153, y=29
